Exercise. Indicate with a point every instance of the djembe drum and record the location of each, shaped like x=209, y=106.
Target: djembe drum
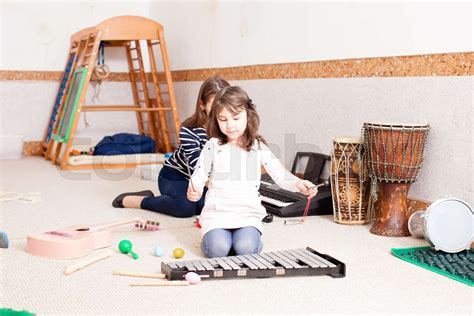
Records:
x=395, y=155
x=349, y=185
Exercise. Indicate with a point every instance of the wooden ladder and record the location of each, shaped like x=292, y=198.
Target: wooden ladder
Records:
x=154, y=96
x=156, y=124
x=141, y=94
x=87, y=59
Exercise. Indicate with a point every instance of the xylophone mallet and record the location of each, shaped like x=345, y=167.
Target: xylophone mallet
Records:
x=306, y=210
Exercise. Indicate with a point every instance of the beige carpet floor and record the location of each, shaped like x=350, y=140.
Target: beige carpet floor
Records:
x=376, y=281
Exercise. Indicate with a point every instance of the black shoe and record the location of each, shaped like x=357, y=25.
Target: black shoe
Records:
x=117, y=202
x=268, y=218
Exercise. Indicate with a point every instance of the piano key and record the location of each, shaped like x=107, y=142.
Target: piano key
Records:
x=311, y=263
x=274, y=201
x=262, y=260
x=256, y=262
x=330, y=264
x=293, y=263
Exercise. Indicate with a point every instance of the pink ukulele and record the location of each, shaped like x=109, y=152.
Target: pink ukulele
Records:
x=80, y=240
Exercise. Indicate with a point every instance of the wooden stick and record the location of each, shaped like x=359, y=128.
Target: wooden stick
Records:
x=140, y=275
x=162, y=283
x=82, y=264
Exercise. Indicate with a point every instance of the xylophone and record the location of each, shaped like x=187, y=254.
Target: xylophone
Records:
x=263, y=265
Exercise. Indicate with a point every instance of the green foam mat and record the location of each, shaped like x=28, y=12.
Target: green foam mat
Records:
x=457, y=266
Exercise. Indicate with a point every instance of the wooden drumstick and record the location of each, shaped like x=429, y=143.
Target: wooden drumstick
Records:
x=140, y=275
x=82, y=264
x=161, y=283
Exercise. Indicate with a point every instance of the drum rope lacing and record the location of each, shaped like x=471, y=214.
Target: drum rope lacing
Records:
x=417, y=138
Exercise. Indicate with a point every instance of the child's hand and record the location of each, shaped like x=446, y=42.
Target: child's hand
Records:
x=193, y=195
x=306, y=187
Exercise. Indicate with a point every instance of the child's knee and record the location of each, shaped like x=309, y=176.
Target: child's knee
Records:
x=213, y=248
x=247, y=246
x=185, y=210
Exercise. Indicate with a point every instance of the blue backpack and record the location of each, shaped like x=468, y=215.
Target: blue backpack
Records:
x=125, y=144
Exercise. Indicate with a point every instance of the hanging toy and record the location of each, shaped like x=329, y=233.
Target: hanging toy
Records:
x=100, y=72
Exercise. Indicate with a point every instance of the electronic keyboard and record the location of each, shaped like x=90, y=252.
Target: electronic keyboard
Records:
x=285, y=203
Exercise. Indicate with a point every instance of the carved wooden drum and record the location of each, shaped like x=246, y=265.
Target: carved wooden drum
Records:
x=350, y=188
x=395, y=155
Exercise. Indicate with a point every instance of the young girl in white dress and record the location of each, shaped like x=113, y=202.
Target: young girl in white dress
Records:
x=231, y=160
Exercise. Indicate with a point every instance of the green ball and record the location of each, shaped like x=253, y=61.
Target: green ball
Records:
x=178, y=253
x=125, y=246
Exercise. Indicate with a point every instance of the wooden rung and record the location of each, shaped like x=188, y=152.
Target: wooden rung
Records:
x=133, y=48
x=98, y=108
x=155, y=43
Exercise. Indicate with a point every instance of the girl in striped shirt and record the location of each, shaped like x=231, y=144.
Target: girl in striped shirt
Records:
x=174, y=176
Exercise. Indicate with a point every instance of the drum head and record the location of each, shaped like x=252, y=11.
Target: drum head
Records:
x=396, y=125
x=347, y=140
x=449, y=225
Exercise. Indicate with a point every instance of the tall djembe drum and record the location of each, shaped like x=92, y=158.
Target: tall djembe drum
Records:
x=395, y=155
x=349, y=184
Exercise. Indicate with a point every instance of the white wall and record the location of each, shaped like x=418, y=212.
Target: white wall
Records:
x=232, y=33
x=206, y=34
x=219, y=33
x=307, y=114
x=35, y=35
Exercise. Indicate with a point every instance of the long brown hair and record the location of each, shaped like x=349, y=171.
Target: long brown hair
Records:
x=209, y=88
x=235, y=100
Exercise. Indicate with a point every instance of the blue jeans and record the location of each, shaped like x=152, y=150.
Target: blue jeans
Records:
x=222, y=242
x=173, y=201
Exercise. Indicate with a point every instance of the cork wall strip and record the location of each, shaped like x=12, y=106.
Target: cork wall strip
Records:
x=31, y=148
x=455, y=64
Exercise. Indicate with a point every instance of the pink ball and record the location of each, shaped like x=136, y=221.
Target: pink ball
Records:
x=192, y=277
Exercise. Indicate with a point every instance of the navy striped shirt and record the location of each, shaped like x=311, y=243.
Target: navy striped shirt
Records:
x=192, y=141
